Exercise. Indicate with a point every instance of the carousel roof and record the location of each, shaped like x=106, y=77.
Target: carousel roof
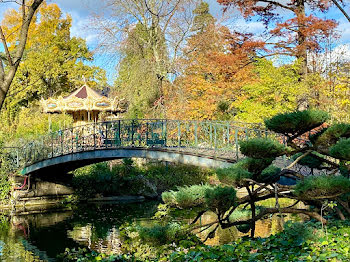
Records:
x=84, y=98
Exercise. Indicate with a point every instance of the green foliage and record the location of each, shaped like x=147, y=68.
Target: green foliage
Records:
x=332, y=134
x=53, y=63
x=321, y=186
x=85, y=255
x=254, y=165
x=234, y=175
x=31, y=123
x=129, y=179
x=187, y=196
x=220, y=199
x=298, y=242
x=341, y=149
x=309, y=160
x=262, y=148
x=160, y=235
x=276, y=89
x=297, y=122
x=138, y=73
x=269, y=175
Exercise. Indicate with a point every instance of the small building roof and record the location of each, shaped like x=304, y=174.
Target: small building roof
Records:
x=83, y=99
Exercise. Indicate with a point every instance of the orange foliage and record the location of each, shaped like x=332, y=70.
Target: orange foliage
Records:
x=217, y=64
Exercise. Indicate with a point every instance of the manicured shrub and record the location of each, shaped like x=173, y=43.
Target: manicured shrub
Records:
x=295, y=122
x=185, y=197
x=234, y=175
x=220, y=199
x=341, y=149
x=322, y=186
x=262, y=148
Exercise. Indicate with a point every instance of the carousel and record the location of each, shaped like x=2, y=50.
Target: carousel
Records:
x=85, y=105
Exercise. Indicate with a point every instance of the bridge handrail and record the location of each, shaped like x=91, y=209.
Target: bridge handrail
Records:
x=217, y=137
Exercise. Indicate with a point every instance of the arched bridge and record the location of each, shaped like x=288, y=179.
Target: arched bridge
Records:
x=202, y=143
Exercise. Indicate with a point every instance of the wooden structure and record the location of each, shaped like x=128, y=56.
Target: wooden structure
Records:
x=85, y=105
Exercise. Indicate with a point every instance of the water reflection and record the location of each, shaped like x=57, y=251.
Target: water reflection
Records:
x=41, y=237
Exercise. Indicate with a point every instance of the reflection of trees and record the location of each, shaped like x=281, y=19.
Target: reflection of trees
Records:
x=15, y=248
x=264, y=228
x=88, y=236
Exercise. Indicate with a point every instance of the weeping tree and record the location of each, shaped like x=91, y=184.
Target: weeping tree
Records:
x=306, y=140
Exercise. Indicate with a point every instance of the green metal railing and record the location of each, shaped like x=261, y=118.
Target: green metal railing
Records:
x=210, y=138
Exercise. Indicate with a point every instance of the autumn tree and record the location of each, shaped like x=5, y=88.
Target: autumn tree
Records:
x=216, y=63
x=294, y=36
x=53, y=61
x=10, y=61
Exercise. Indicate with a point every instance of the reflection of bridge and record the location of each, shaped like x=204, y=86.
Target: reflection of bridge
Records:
x=202, y=143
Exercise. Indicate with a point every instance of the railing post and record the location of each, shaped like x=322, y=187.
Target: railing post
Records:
x=132, y=133
x=17, y=156
x=94, y=134
x=210, y=134
x=228, y=134
x=215, y=137
x=179, y=133
x=165, y=132
x=119, y=132
x=147, y=133
x=196, y=134
x=62, y=140
x=236, y=143
x=72, y=133
x=51, y=145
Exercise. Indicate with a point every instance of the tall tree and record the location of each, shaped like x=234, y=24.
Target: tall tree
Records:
x=137, y=78
x=10, y=61
x=296, y=35
x=52, y=62
x=215, y=67
x=161, y=20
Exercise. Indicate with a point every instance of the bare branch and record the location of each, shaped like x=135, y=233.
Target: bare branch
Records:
x=341, y=9
x=3, y=40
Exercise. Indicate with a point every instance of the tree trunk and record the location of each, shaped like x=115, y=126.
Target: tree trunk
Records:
x=14, y=60
x=301, y=48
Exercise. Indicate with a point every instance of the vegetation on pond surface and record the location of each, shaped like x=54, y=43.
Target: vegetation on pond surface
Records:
x=298, y=242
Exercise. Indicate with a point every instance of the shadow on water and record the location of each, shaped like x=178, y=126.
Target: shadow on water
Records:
x=41, y=237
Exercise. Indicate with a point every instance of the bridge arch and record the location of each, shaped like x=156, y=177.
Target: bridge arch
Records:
x=69, y=162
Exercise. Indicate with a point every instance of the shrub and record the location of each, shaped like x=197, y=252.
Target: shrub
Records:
x=262, y=148
x=341, y=149
x=295, y=122
x=220, y=199
x=234, y=175
x=332, y=134
x=314, y=186
x=185, y=197
x=269, y=175
x=309, y=160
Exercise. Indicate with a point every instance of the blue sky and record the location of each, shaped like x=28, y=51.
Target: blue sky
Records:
x=80, y=11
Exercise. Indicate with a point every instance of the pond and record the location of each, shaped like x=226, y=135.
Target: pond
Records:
x=42, y=236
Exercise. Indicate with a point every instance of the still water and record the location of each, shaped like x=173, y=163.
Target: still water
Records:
x=41, y=237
